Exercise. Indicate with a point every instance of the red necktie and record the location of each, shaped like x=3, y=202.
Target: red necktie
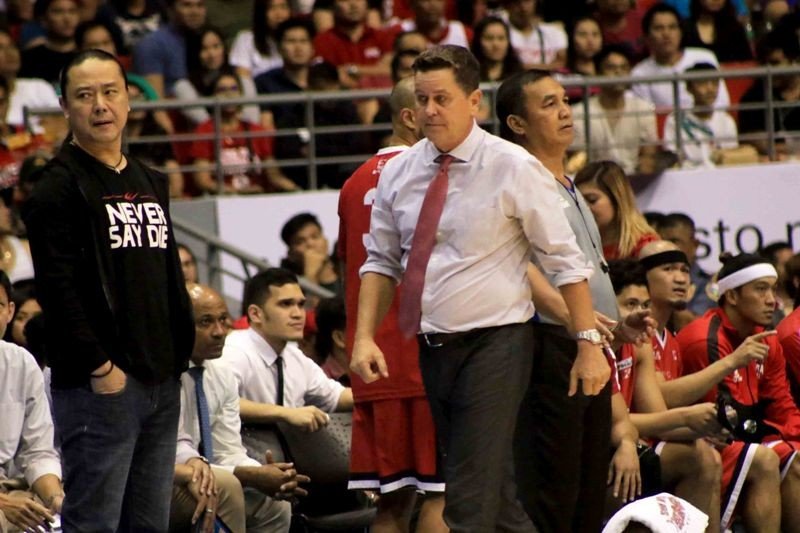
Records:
x=421, y=248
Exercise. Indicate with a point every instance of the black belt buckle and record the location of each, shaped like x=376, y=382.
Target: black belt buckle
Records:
x=430, y=342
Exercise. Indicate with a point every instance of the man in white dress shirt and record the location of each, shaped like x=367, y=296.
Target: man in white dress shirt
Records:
x=473, y=307
x=260, y=508
x=30, y=468
x=266, y=355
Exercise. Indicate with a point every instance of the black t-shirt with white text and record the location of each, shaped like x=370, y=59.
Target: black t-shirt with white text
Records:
x=137, y=235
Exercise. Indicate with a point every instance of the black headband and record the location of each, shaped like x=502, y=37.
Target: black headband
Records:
x=662, y=258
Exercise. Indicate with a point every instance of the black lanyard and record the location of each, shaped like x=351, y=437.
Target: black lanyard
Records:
x=572, y=192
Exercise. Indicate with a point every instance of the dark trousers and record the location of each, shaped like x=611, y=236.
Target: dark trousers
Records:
x=475, y=383
x=561, y=443
x=119, y=456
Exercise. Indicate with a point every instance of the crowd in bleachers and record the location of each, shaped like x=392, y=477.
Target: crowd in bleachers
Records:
x=177, y=50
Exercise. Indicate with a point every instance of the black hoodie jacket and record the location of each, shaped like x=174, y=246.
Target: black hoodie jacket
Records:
x=75, y=274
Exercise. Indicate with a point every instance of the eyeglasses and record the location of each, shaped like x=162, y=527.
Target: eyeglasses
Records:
x=226, y=89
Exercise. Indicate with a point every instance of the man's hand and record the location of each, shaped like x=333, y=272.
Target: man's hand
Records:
x=702, y=419
x=368, y=361
x=313, y=263
x=591, y=368
x=24, y=513
x=624, y=472
x=605, y=325
x=308, y=418
x=289, y=487
x=111, y=383
x=752, y=349
x=203, y=475
x=206, y=509
x=637, y=328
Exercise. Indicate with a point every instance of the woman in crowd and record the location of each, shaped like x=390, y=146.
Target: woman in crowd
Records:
x=713, y=25
x=623, y=229
x=206, y=58
x=26, y=306
x=188, y=263
x=585, y=41
x=492, y=48
x=255, y=51
x=240, y=152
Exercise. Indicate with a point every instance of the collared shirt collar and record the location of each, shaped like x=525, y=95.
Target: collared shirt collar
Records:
x=264, y=349
x=462, y=152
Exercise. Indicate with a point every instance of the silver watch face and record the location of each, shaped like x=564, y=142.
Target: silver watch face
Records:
x=591, y=335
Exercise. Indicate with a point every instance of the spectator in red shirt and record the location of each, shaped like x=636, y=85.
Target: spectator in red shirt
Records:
x=789, y=328
x=361, y=54
x=238, y=152
x=756, y=396
x=621, y=23
x=431, y=21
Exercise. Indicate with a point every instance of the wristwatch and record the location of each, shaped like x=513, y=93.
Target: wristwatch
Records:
x=591, y=335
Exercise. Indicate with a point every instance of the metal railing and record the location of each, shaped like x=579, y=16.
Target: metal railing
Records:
x=215, y=248
x=313, y=160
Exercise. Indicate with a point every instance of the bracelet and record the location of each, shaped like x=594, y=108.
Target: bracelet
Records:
x=93, y=376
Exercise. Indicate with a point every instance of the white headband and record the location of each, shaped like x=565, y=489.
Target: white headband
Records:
x=746, y=275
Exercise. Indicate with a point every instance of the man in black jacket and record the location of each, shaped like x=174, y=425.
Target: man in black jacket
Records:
x=120, y=328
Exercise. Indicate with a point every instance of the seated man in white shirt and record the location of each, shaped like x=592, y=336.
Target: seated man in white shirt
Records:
x=209, y=390
x=661, y=26
x=277, y=382
x=30, y=468
x=709, y=137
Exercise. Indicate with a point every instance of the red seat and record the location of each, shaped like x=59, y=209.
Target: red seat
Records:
x=738, y=86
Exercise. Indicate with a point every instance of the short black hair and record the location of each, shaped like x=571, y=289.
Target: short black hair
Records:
x=295, y=224
x=291, y=24
x=778, y=39
x=770, y=251
x=657, y=9
x=676, y=219
x=330, y=316
x=396, y=62
x=85, y=56
x=322, y=74
x=510, y=99
x=607, y=50
x=257, y=288
x=88, y=25
x=654, y=218
x=626, y=272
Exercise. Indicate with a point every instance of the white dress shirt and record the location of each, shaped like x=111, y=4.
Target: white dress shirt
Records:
x=501, y=204
x=26, y=426
x=222, y=396
x=620, y=142
x=253, y=362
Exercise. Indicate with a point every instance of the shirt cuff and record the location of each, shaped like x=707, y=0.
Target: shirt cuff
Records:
x=41, y=468
x=573, y=276
x=395, y=274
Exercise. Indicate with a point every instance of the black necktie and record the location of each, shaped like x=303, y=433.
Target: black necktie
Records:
x=279, y=392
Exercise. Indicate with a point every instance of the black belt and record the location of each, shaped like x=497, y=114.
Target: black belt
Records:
x=437, y=340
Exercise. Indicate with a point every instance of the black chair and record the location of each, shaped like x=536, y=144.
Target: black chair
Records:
x=324, y=456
